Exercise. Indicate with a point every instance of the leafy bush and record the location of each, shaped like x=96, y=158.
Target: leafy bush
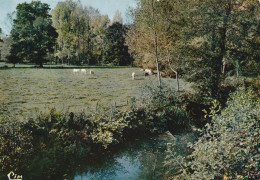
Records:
x=229, y=146
x=58, y=136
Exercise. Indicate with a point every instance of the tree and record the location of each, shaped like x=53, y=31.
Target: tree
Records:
x=117, y=18
x=116, y=52
x=0, y=35
x=0, y=46
x=9, y=19
x=144, y=37
x=219, y=33
x=33, y=35
x=201, y=40
x=99, y=25
x=78, y=28
x=5, y=48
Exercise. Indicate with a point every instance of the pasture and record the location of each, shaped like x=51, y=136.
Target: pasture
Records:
x=31, y=90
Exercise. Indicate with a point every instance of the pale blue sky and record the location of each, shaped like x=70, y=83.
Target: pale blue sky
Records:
x=105, y=7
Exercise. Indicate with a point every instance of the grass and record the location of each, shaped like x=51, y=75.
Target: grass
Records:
x=25, y=91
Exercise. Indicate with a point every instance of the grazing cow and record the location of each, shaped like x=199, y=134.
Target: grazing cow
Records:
x=75, y=70
x=148, y=71
x=133, y=75
x=91, y=72
x=83, y=71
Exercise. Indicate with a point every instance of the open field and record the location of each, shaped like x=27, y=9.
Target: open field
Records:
x=25, y=91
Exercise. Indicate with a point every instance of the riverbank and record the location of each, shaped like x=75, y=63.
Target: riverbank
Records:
x=41, y=144
x=44, y=144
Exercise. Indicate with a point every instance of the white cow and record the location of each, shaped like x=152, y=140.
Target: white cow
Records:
x=75, y=70
x=83, y=71
x=91, y=72
x=149, y=71
x=133, y=75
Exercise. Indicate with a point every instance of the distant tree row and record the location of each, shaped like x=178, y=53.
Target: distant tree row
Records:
x=204, y=40
x=85, y=35
x=70, y=34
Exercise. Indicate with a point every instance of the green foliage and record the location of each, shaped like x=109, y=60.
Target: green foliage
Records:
x=165, y=109
x=14, y=145
x=115, y=50
x=72, y=22
x=117, y=18
x=212, y=42
x=58, y=136
x=5, y=47
x=201, y=40
x=229, y=146
x=32, y=34
x=87, y=37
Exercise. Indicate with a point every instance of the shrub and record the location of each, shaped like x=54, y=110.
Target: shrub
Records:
x=62, y=135
x=229, y=146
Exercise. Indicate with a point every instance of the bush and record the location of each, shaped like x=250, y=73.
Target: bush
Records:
x=229, y=146
x=60, y=136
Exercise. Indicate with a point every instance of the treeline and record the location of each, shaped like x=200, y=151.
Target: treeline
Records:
x=87, y=37
x=204, y=41
x=69, y=34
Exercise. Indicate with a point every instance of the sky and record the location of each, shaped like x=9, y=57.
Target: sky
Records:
x=108, y=7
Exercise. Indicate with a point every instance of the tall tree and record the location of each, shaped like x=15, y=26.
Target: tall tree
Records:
x=5, y=47
x=218, y=33
x=144, y=36
x=99, y=25
x=116, y=52
x=9, y=21
x=198, y=38
x=117, y=18
x=0, y=44
x=75, y=24
x=32, y=33
x=0, y=35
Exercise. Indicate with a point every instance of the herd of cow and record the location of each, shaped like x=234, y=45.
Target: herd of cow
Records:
x=84, y=71
x=146, y=73
x=91, y=72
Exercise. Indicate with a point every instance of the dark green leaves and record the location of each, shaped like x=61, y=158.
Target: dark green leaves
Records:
x=33, y=35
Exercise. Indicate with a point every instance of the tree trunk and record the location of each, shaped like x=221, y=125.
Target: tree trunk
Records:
x=41, y=65
x=224, y=67
x=223, y=35
x=176, y=73
x=156, y=46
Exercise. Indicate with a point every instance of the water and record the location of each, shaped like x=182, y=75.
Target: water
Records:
x=141, y=159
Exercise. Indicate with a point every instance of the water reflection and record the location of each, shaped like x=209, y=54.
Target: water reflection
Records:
x=141, y=159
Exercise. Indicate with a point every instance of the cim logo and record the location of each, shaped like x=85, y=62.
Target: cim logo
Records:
x=13, y=176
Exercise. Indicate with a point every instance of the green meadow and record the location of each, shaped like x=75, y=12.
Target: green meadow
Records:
x=31, y=90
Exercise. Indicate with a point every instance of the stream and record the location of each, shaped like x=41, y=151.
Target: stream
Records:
x=140, y=159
